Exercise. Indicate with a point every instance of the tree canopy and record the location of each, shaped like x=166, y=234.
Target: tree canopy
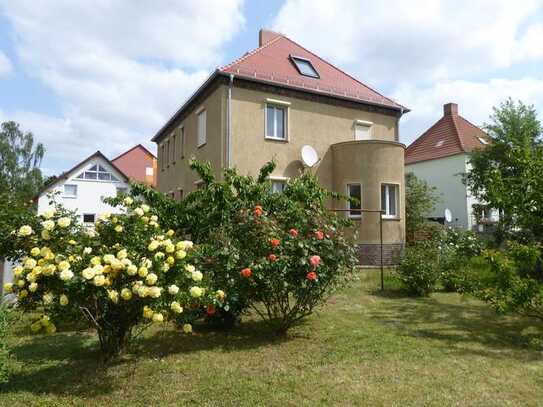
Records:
x=420, y=200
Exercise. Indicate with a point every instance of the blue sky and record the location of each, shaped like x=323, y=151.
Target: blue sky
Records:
x=105, y=75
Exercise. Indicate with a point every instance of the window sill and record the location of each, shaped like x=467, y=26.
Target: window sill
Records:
x=391, y=218
x=280, y=140
x=201, y=145
x=69, y=197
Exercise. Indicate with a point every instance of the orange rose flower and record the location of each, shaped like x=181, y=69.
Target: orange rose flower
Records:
x=311, y=276
x=258, y=210
x=293, y=232
x=319, y=235
x=246, y=272
x=211, y=309
x=275, y=242
x=272, y=257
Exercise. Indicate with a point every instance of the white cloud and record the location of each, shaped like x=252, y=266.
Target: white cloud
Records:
x=119, y=69
x=394, y=41
x=475, y=101
x=6, y=66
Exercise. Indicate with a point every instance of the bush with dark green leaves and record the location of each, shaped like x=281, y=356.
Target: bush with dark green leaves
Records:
x=419, y=268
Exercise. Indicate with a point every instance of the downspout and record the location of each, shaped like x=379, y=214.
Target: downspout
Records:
x=229, y=123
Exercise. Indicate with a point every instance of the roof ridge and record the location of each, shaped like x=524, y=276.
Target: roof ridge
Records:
x=250, y=53
x=458, y=136
x=343, y=72
x=473, y=125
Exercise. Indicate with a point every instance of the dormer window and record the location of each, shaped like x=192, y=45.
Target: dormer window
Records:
x=304, y=66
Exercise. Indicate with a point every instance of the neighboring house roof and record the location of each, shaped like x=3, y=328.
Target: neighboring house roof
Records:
x=271, y=63
x=450, y=135
x=67, y=174
x=135, y=162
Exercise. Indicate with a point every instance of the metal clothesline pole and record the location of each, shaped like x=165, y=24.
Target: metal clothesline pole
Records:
x=380, y=236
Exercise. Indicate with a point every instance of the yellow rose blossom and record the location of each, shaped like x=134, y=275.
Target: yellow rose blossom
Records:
x=66, y=275
x=49, y=270
x=154, y=218
x=181, y=254
x=145, y=208
x=126, y=262
x=196, y=292
x=154, y=292
x=37, y=270
x=63, y=300
x=151, y=279
x=48, y=214
x=190, y=268
x=35, y=252
x=122, y=254
x=138, y=211
x=165, y=267
x=170, y=233
x=197, y=276
x=143, y=291
x=104, y=216
x=142, y=272
x=30, y=264
x=132, y=270
x=64, y=222
x=45, y=235
x=118, y=228
x=48, y=225
x=187, y=328
x=33, y=287
x=147, y=312
x=152, y=246
x=169, y=248
x=63, y=265
x=176, y=307
x=170, y=260
x=21, y=283
x=35, y=327
x=96, y=261
x=117, y=265
x=45, y=321
x=23, y=294
x=47, y=298
x=50, y=329
x=87, y=250
x=220, y=295
x=173, y=289
x=158, y=317
x=99, y=269
x=108, y=258
x=25, y=231
x=72, y=242
x=99, y=280
x=159, y=255
x=31, y=277
x=145, y=219
x=17, y=271
x=126, y=294
x=8, y=288
x=113, y=296
x=128, y=201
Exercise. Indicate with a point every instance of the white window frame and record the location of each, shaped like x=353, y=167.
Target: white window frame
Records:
x=201, y=135
x=348, y=192
x=277, y=104
x=64, y=195
x=364, y=123
x=386, y=214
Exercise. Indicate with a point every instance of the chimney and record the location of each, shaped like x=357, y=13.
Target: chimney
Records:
x=450, y=109
x=265, y=36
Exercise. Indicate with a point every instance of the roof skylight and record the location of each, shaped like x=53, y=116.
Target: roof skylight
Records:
x=304, y=66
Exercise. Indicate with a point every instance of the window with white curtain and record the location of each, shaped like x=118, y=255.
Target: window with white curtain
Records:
x=202, y=137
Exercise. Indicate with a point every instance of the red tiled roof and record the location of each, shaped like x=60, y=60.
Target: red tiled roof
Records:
x=271, y=63
x=450, y=135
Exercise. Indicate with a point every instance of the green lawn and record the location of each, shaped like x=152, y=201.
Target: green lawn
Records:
x=363, y=348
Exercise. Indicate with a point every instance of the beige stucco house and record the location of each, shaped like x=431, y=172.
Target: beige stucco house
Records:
x=271, y=102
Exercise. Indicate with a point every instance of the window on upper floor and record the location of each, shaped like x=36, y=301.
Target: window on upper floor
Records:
x=181, y=142
x=149, y=171
x=162, y=157
x=201, y=128
x=304, y=66
x=389, y=200
x=354, y=191
x=362, y=130
x=167, y=153
x=276, y=122
x=174, y=147
x=99, y=173
x=70, y=191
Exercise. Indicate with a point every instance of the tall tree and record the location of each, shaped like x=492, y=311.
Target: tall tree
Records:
x=507, y=175
x=20, y=159
x=420, y=200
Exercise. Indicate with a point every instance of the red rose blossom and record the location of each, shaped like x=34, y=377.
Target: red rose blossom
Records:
x=319, y=235
x=293, y=232
x=258, y=210
x=315, y=261
x=311, y=276
x=272, y=257
x=246, y=272
x=275, y=242
x=211, y=309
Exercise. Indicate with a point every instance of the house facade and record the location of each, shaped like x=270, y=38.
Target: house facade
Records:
x=268, y=105
x=138, y=164
x=440, y=156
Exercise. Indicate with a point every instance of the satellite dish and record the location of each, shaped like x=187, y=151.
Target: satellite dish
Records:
x=309, y=156
x=448, y=215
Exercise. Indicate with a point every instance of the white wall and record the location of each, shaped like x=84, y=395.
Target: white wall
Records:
x=446, y=175
x=89, y=192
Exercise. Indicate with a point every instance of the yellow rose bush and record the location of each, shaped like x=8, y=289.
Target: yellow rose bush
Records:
x=126, y=271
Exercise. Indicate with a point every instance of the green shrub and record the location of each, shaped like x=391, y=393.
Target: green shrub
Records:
x=418, y=269
x=5, y=320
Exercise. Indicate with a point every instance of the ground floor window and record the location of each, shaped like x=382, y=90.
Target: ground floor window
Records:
x=89, y=218
x=354, y=191
x=389, y=200
x=278, y=186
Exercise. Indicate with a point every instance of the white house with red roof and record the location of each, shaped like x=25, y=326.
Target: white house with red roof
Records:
x=440, y=156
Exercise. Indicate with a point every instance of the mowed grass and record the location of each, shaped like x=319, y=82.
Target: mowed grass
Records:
x=364, y=348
